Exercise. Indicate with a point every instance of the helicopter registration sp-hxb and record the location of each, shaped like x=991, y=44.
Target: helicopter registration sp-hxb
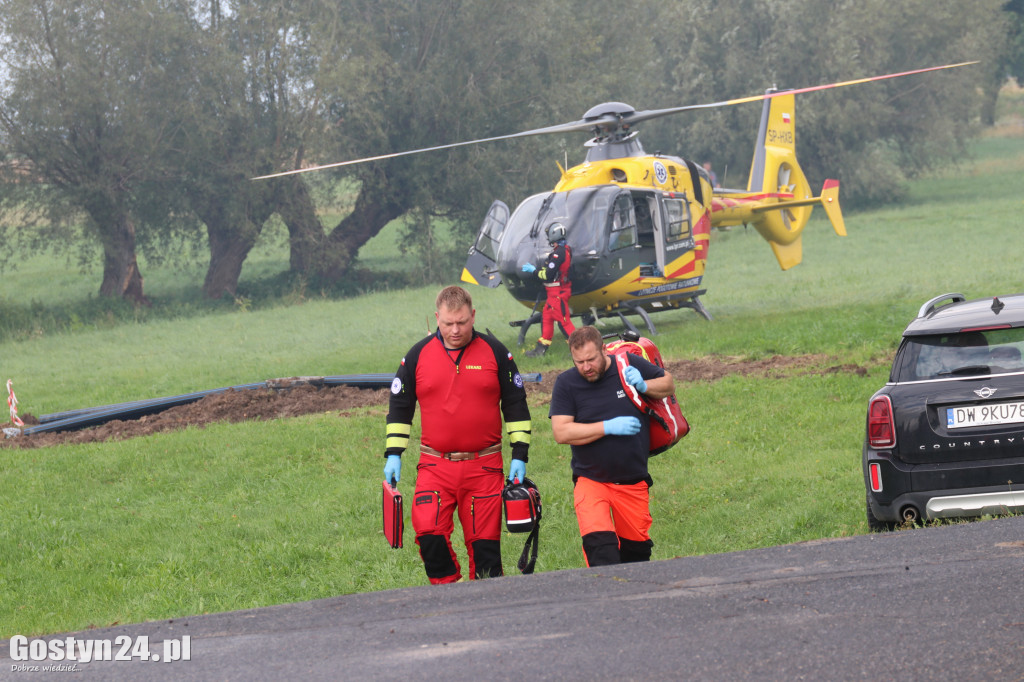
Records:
x=638, y=225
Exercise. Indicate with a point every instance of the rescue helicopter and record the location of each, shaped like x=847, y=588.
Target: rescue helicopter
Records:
x=639, y=224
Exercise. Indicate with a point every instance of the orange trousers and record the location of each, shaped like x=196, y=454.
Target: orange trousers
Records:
x=615, y=521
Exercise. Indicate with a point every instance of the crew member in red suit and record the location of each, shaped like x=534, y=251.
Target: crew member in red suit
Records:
x=465, y=383
x=557, y=287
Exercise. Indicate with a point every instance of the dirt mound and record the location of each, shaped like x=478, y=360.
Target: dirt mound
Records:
x=264, y=403
x=228, y=406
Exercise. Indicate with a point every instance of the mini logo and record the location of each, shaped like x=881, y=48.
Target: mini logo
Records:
x=985, y=392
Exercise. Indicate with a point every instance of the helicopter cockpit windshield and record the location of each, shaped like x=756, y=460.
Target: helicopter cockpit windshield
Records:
x=584, y=212
x=600, y=221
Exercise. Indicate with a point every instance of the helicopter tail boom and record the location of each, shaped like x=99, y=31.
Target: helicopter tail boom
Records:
x=778, y=200
x=778, y=218
x=829, y=200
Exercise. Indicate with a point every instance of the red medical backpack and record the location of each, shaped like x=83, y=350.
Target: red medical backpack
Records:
x=667, y=423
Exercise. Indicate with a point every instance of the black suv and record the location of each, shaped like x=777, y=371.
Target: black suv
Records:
x=945, y=436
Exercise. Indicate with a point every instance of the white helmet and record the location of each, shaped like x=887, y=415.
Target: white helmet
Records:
x=556, y=232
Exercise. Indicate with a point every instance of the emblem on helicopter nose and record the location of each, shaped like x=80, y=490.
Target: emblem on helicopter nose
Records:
x=660, y=173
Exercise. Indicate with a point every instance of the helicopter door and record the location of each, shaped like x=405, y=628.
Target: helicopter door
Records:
x=481, y=264
x=650, y=233
x=622, y=224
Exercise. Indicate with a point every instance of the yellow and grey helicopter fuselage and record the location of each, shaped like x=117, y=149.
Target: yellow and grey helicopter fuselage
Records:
x=639, y=225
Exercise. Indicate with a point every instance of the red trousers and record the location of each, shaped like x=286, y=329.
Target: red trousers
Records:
x=473, y=487
x=556, y=309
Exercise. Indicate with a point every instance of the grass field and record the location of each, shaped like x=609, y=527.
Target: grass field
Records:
x=251, y=514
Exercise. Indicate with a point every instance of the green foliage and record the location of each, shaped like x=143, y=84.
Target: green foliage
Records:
x=426, y=248
x=869, y=136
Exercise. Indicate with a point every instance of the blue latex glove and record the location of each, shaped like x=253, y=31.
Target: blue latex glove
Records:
x=393, y=469
x=529, y=268
x=517, y=470
x=633, y=378
x=622, y=426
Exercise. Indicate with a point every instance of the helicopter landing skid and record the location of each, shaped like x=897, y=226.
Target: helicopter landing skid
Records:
x=695, y=304
x=692, y=302
x=636, y=310
x=524, y=325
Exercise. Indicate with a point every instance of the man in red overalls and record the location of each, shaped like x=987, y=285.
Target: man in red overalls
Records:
x=465, y=383
x=555, y=276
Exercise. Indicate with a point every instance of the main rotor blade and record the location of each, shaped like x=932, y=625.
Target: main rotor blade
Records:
x=560, y=128
x=609, y=119
x=656, y=113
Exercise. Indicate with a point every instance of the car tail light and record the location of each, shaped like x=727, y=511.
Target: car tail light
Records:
x=875, y=474
x=881, y=429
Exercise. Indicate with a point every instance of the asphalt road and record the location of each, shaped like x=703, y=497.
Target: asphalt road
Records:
x=926, y=604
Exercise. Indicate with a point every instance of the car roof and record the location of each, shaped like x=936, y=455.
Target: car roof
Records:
x=959, y=314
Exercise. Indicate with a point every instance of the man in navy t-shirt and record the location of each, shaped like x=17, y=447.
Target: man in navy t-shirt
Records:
x=591, y=412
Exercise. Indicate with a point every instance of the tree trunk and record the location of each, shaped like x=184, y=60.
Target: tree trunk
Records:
x=989, y=96
x=121, y=275
x=367, y=219
x=234, y=217
x=228, y=250
x=305, y=231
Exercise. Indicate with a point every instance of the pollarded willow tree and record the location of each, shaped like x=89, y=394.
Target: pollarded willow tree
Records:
x=254, y=107
x=91, y=110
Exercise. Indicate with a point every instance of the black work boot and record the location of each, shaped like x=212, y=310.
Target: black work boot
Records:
x=538, y=350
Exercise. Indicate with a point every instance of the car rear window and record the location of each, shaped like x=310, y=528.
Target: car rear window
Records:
x=972, y=353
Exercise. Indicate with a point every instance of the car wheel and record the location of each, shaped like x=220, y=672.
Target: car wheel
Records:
x=875, y=525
